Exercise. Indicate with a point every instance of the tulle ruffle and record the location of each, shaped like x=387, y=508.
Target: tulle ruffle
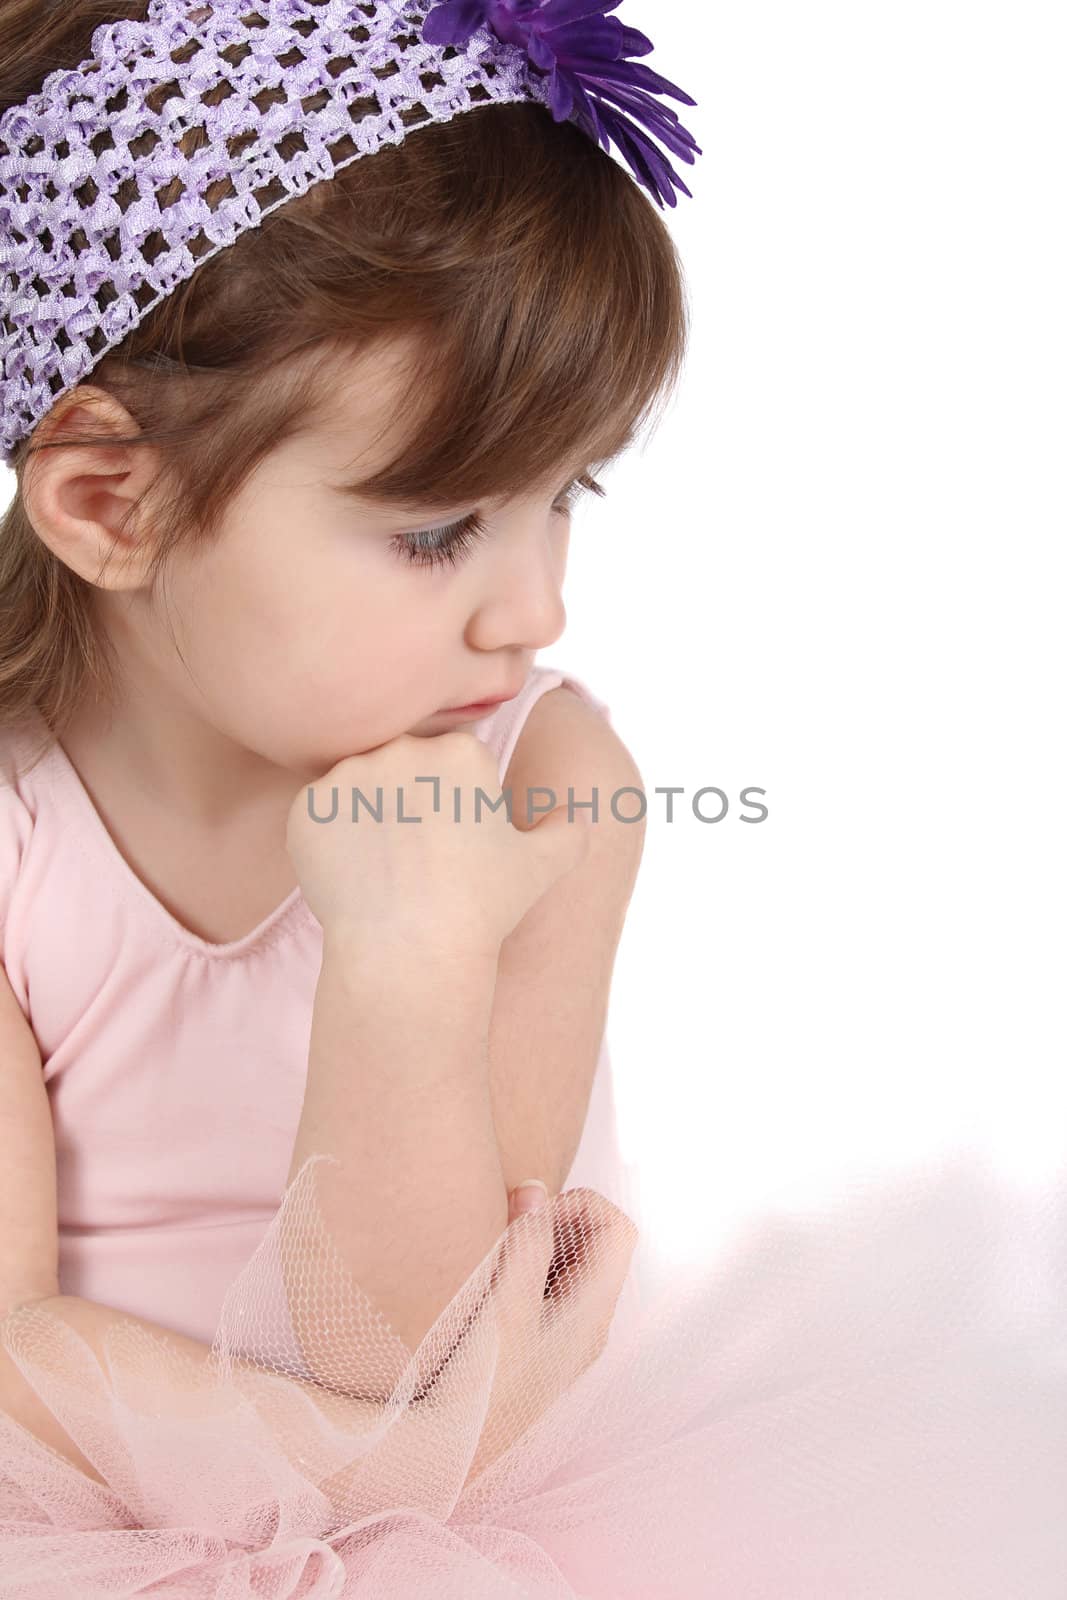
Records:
x=866, y=1402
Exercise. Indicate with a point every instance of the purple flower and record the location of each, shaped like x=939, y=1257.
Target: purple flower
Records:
x=583, y=53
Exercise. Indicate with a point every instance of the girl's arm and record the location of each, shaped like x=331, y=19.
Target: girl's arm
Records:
x=441, y=1080
x=398, y=1090
x=94, y=1322
x=555, y=971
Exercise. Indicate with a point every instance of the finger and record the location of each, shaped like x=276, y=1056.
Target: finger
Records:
x=526, y=1196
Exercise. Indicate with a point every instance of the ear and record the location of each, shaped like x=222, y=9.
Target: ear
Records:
x=81, y=498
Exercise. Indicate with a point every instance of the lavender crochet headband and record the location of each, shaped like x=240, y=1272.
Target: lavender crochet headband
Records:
x=90, y=235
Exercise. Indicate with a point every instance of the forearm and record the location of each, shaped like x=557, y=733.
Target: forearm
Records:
x=398, y=1090
x=92, y=1321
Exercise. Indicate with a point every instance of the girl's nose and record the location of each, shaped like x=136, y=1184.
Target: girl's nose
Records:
x=520, y=605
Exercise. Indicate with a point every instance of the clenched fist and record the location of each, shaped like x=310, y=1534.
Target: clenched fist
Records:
x=419, y=879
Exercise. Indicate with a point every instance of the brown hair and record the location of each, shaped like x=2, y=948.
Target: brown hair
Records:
x=543, y=285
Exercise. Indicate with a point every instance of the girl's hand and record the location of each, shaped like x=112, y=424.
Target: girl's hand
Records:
x=418, y=879
x=556, y=1290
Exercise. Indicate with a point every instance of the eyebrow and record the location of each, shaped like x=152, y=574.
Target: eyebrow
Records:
x=379, y=502
x=408, y=511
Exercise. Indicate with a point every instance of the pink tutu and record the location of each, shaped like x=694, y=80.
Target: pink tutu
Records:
x=865, y=1404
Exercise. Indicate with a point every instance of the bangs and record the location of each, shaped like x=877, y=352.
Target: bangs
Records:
x=552, y=346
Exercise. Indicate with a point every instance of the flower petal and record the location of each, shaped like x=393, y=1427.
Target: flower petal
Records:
x=541, y=53
x=564, y=11
x=641, y=77
x=455, y=21
x=660, y=120
x=560, y=96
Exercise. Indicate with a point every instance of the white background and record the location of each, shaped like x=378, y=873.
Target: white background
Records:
x=834, y=572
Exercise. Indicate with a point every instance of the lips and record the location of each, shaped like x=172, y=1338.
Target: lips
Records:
x=492, y=700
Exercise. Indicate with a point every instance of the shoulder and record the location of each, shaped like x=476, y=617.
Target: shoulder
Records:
x=16, y=827
x=565, y=743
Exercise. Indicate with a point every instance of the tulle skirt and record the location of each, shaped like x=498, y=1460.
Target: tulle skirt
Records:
x=868, y=1402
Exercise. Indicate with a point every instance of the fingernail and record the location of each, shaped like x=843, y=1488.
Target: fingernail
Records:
x=531, y=1195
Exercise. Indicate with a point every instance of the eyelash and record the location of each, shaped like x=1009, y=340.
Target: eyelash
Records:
x=456, y=542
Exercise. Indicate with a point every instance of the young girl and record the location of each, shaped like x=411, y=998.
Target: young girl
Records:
x=305, y=367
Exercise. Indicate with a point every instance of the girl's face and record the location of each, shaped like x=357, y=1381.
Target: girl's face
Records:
x=307, y=634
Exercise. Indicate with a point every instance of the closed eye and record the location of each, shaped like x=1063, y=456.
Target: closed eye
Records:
x=437, y=547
